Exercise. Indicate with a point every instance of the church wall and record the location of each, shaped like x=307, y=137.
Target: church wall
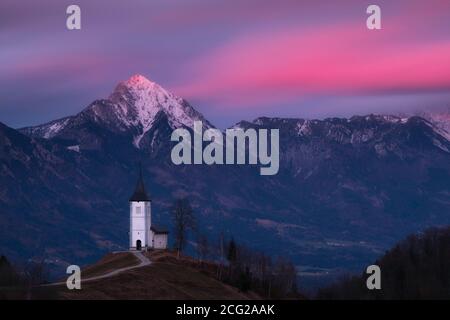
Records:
x=160, y=241
x=149, y=224
x=139, y=223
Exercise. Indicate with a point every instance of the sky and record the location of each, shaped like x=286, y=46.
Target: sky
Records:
x=231, y=59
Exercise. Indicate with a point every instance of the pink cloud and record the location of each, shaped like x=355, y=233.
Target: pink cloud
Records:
x=62, y=73
x=335, y=59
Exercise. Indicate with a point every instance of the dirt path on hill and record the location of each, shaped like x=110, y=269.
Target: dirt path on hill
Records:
x=144, y=261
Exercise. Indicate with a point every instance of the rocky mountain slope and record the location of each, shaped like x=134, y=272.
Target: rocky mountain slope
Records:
x=138, y=110
x=440, y=120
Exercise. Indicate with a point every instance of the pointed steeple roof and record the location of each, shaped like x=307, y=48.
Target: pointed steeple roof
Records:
x=139, y=193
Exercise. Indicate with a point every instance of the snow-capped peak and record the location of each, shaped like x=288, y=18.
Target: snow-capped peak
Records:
x=138, y=80
x=138, y=100
x=132, y=108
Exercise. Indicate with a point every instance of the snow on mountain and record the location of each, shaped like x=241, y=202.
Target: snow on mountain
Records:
x=133, y=107
x=137, y=106
x=47, y=130
x=440, y=121
x=303, y=128
x=139, y=100
x=74, y=148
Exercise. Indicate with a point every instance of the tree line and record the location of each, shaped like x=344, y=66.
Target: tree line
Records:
x=21, y=279
x=416, y=268
x=236, y=264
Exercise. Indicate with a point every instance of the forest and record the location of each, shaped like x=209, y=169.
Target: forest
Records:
x=416, y=268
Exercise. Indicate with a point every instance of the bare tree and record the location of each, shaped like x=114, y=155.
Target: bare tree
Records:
x=203, y=249
x=35, y=273
x=183, y=218
x=232, y=252
x=221, y=252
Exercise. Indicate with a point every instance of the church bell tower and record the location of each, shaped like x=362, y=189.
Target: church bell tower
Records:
x=140, y=217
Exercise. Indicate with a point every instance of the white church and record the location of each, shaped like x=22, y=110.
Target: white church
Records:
x=144, y=235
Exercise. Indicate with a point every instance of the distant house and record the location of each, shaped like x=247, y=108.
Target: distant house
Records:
x=143, y=234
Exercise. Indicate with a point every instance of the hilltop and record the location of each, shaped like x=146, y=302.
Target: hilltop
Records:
x=166, y=278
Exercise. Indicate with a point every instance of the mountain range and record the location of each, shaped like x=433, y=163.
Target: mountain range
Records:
x=347, y=189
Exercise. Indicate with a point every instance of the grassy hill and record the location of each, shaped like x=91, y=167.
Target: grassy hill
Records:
x=166, y=278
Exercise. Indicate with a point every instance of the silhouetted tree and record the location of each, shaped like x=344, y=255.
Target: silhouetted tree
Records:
x=245, y=280
x=36, y=272
x=183, y=219
x=416, y=268
x=232, y=254
x=203, y=249
x=249, y=269
x=220, y=253
x=8, y=275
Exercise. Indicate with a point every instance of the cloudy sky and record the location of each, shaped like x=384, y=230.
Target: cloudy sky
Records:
x=231, y=59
